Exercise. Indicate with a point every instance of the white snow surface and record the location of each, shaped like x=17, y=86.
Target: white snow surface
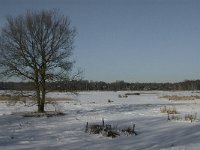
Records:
x=67, y=132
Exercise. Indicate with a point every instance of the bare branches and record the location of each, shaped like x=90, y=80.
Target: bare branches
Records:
x=37, y=39
x=37, y=46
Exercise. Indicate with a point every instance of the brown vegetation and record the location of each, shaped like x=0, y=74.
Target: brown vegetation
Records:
x=191, y=117
x=44, y=114
x=168, y=110
x=172, y=114
x=127, y=94
x=179, y=98
x=8, y=97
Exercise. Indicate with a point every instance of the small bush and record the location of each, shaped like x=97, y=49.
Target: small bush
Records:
x=107, y=130
x=96, y=129
x=101, y=129
x=129, y=130
x=191, y=117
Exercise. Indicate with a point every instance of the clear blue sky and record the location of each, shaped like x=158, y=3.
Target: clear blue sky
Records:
x=130, y=40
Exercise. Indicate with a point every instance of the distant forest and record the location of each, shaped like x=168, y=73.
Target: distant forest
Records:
x=85, y=85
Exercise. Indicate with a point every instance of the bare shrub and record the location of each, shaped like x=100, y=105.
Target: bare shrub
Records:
x=96, y=129
x=129, y=130
x=191, y=117
x=107, y=130
x=101, y=129
x=174, y=117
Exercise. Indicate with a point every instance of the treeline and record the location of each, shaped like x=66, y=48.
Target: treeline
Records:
x=85, y=85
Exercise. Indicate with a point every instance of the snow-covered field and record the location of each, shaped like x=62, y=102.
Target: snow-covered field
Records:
x=68, y=132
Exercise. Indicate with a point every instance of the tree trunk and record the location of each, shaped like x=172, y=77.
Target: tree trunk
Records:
x=43, y=97
x=43, y=84
x=39, y=101
x=41, y=108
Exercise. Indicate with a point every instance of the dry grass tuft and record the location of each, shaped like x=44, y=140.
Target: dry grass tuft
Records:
x=172, y=114
x=179, y=98
x=37, y=114
x=8, y=97
x=174, y=117
x=191, y=117
x=132, y=94
x=168, y=110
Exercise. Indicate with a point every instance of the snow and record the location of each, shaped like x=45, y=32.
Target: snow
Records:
x=155, y=132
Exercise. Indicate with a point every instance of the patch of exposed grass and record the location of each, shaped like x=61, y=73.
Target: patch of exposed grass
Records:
x=132, y=94
x=174, y=117
x=37, y=114
x=172, y=114
x=8, y=97
x=191, y=117
x=5, y=97
x=188, y=117
x=168, y=110
x=179, y=98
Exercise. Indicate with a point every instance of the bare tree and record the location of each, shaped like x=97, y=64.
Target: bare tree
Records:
x=37, y=46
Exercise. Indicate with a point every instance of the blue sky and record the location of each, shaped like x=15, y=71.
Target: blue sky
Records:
x=130, y=40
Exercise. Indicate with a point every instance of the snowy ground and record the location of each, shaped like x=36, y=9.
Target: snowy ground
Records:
x=67, y=132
